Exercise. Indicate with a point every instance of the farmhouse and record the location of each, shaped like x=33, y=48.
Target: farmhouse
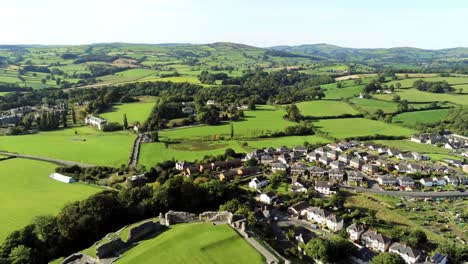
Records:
x=61, y=178
x=375, y=241
x=95, y=121
x=410, y=255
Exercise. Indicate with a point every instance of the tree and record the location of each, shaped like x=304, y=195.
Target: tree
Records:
x=388, y=258
x=398, y=85
x=379, y=113
x=125, y=121
x=403, y=106
x=251, y=104
x=293, y=113
x=64, y=119
x=358, y=81
x=396, y=98
x=339, y=85
x=20, y=255
x=232, y=130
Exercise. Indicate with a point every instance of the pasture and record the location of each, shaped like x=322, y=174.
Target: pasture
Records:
x=323, y=108
x=27, y=192
x=413, y=95
x=372, y=105
x=88, y=145
x=136, y=112
x=264, y=120
x=356, y=127
x=350, y=90
x=194, y=243
x=422, y=117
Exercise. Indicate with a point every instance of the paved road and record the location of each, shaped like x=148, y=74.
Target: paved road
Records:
x=135, y=151
x=448, y=194
x=56, y=161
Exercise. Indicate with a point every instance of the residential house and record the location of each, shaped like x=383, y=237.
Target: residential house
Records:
x=332, y=154
x=354, y=176
x=258, y=183
x=375, y=241
x=426, y=182
x=405, y=181
x=336, y=175
x=418, y=156
x=393, y=152
x=356, y=163
x=284, y=158
x=345, y=158
x=182, y=165
x=337, y=164
x=317, y=215
x=312, y=156
x=270, y=151
x=355, y=231
x=295, y=156
x=382, y=150
x=324, y=187
x=325, y=160
x=370, y=158
x=438, y=181
x=246, y=171
x=316, y=171
x=298, y=187
x=370, y=168
x=300, y=149
x=414, y=168
x=266, y=159
x=299, y=209
x=283, y=149
x=410, y=255
x=278, y=166
x=268, y=198
x=228, y=175
x=228, y=164
x=298, y=169
x=405, y=156
x=334, y=223
x=386, y=180
x=320, y=151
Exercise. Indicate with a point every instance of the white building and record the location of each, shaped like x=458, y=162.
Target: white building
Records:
x=324, y=187
x=95, y=121
x=410, y=255
x=355, y=231
x=268, y=198
x=258, y=183
x=61, y=178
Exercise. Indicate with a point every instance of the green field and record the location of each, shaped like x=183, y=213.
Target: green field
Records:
x=355, y=127
x=372, y=105
x=413, y=95
x=194, y=243
x=136, y=112
x=264, y=120
x=350, y=90
x=27, y=191
x=88, y=145
x=423, y=117
x=323, y=108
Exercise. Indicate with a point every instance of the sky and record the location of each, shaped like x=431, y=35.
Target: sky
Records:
x=431, y=24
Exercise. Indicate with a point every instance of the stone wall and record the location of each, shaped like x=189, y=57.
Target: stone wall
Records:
x=223, y=217
x=110, y=248
x=173, y=217
x=72, y=258
x=145, y=229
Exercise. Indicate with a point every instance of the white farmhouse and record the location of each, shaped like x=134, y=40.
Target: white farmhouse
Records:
x=95, y=121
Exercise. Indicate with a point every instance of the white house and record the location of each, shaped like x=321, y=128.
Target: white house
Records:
x=278, y=166
x=258, y=183
x=410, y=255
x=268, y=198
x=375, y=241
x=324, y=187
x=299, y=209
x=334, y=223
x=297, y=187
x=355, y=232
x=95, y=121
x=427, y=182
x=61, y=178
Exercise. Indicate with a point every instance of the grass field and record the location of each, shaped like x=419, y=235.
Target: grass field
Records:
x=264, y=120
x=27, y=191
x=423, y=117
x=434, y=152
x=323, y=108
x=350, y=90
x=372, y=105
x=88, y=146
x=194, y=243
x=134, y=111
x=354, y=127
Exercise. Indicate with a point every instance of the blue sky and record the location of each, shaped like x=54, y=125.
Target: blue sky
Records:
x=360, y=23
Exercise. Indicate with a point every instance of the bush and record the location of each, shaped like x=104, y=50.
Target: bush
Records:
x=112, y=126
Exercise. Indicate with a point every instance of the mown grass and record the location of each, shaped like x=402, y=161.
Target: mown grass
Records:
x=27, y=192
x=422, y=117
x=88, y=146
x=136, y=112
x=356, y=127
x=194, y=243
x=323, y=108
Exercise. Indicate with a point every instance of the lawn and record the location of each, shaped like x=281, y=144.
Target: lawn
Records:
x=27, y=191
x=423, y=117
x=355, y=127
x=136, y=112
x=88, y=146
x=323, y=108
x=372, y=105
x=264, y=120
x=194, y=243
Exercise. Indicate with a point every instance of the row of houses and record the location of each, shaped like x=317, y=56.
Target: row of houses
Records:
x=450, y=141
x=318, y=215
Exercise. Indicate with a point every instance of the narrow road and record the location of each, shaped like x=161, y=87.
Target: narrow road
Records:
x=135, y=151
x=52, y=160
x=447, y=194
